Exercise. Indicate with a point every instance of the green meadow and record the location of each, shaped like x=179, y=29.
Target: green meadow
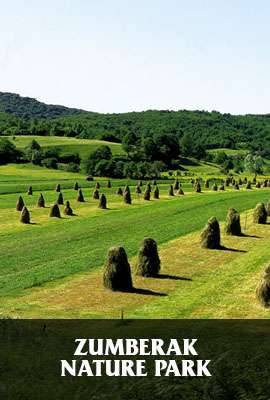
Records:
x=53, y=267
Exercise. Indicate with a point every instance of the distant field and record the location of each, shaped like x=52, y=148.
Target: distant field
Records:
x=229, y=152
x=54, y=267
x=68, y=145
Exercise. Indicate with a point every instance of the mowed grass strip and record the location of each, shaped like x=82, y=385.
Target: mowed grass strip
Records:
x=194, y=283
x=52, y=249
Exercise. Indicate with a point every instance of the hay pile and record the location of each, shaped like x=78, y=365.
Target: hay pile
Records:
x=80, y=197
x=68, y=210
x=60, y=199
x=25, y=216
x=156, y=193
x=260, y=214
x=41, y=201
x=263, y=289
x=233, y=225
x=210, y=236
x=19, y=204
x=102, y=202
x=55, y=211
x=117, y=274
x=148, y=263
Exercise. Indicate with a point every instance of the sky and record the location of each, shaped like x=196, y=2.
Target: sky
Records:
x=123, y=55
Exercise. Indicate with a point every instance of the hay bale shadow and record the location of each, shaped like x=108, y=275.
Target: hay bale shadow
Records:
x=147, y=292
x=172, y=277
x=224, y=248
x=250, y=236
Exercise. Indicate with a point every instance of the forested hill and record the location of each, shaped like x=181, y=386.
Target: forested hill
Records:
x=27, y=107
x=22, y=115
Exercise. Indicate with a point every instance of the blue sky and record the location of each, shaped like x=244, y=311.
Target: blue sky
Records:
x=117, y=56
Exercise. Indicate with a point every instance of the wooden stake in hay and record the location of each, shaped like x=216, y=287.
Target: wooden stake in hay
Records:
x=119, y=192
x=171, y=192
x=176, y=185
x=60, y=200
x=180, y=192
x=109, y=185
x=148, y=263
x=58, y=188
x=41, y=201
x=30, y=191
x=19, y=204
x=156, y=193
x=127, y=197
x=210, y=236
x=233, y=225
x=97, y=185
x=147, y=194
x=95, y=194
x=76, y=186
x=260, y=214
x=102, y=202
x=25, y=216
x=263, y=289
x=117, y=274
x=68, y=210
x=80, y=197
x=55, y=211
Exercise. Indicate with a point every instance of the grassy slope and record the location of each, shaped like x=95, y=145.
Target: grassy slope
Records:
x=68, y=145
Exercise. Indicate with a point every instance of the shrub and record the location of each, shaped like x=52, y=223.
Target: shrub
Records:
x=102, y=202
x=72, y=167
x=148, y=263
x=41, y=201
x=156, y=193
x=55, y=211
x=210, y=236
x=25, y=216
x=30, y=191
x=95, y=194
x=263, y=289
x=20, y=204
x=260, y=214
x=233, y=225
x=58, y=188
x=171, y=193
x=60, y=200
x=68, y=210
x=117, y=274
x=51, y=162
x=80, y=197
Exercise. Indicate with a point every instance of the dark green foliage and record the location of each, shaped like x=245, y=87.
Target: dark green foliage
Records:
x=41, y=201
x=80, y=197
x=20, y=204
x=180, y=192
x=117, y=274
x=109, y=185
x=95, y=194
x=30, y=191
x=55, y=211
x=76, y=186
x=260, y=214
x=60, y=200
x=263, y=289
x=210, y=236
x=156, y=193
x=68, y=210
x=58, y=188
x=8, y=152
x=119, y=192
x=127, y=197
x=138, y=189
x=102, y=202
x=148, y=263
x=233, y=225
x=25, y=216
x=147, y=194
x=171, y=192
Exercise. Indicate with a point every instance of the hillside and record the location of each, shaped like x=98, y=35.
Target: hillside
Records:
x=23, y=115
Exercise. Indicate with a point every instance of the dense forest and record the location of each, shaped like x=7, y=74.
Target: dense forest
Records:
x=23, y=115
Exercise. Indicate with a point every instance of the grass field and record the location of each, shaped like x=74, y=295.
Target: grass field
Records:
x=67, y=145
x=53, y=267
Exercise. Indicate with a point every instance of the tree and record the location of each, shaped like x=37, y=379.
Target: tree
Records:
x=253, y=163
